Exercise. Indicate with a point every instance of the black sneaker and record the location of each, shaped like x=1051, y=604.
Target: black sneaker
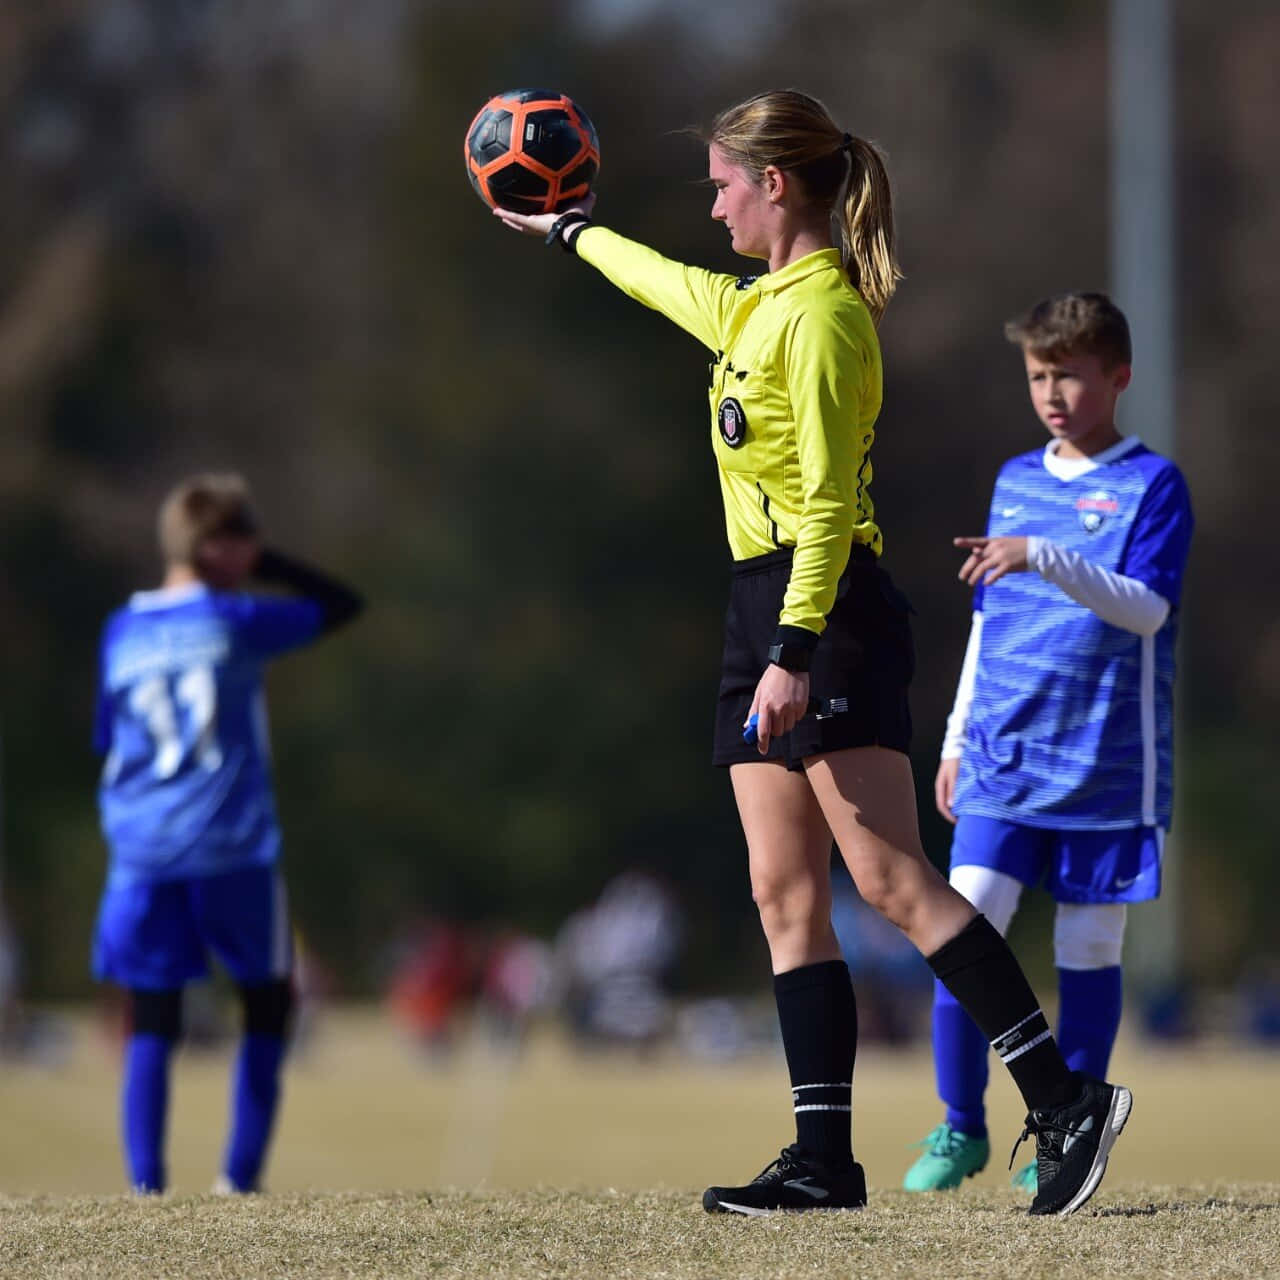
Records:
x=1073, y=1143
x=793, y=1182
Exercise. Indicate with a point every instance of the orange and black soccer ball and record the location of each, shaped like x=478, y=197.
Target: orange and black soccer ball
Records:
x=532, y=151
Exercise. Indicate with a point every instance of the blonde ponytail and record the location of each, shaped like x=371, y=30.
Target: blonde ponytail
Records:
x=865, y=218
x=843, y=174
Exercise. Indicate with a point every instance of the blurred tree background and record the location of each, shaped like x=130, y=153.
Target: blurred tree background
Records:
x=239, y=235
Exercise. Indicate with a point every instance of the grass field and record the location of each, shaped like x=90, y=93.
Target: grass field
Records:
x=560, y=1165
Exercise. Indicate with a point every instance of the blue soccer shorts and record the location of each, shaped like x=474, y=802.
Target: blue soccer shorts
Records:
x=1073, y=866
x=157, y=936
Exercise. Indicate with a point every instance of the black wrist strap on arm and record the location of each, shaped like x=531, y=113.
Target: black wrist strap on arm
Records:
x=337, y=601
x=793, y=647
x=575, y=221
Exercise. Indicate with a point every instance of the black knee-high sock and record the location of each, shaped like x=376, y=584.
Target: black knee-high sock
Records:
x=978, y=968
x=819, y=1022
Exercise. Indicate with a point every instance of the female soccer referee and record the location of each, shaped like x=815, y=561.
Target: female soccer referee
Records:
x=818, y=645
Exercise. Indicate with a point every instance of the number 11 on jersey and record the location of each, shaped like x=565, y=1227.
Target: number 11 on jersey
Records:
x=193, y=698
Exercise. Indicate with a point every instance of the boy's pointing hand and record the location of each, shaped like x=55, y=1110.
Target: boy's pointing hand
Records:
x=991, y=558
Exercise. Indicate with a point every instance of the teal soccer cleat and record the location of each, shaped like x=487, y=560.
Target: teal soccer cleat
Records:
x=1026, y=1179
x=950, y=1157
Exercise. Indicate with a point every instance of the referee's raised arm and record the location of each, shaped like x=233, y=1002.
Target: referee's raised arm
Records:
x=701, y=302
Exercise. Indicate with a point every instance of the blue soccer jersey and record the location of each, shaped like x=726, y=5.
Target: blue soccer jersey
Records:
x=186, y=788
x=1071, y=724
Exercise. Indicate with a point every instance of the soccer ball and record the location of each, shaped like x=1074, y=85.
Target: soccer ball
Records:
x=532, y=151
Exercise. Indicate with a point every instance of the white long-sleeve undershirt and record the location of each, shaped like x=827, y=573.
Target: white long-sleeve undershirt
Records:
x=1122, y=601
x=1119, y=600
x=953, y=739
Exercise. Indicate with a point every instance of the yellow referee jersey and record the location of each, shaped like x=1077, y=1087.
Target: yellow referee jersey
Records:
x=795, y=390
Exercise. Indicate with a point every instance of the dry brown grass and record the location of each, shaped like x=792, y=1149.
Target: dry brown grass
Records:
x=553, y=1164
x=1224, y=1231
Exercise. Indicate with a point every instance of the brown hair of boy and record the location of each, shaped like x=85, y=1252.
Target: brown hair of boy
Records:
x=1074, y=324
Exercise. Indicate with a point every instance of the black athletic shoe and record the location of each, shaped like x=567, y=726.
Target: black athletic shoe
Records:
x=1073, y=1143
x=793, y=1182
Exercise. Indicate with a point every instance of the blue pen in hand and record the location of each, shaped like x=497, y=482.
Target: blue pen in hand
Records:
x=823, y=707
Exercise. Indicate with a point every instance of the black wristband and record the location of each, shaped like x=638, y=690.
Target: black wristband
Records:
x=792, y=648
x=574, y=219
x=791, y=657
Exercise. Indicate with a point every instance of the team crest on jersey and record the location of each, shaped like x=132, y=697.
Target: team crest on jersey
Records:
x=732, y=421
x=1094, y=510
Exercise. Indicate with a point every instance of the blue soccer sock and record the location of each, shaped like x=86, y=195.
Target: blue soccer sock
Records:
x=255, y=1097
x=144, y=1108
x=1090, y=1001
x=960, y=1064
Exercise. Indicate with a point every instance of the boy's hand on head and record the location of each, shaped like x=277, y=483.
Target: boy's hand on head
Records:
x=224, y=561
x=991, y=558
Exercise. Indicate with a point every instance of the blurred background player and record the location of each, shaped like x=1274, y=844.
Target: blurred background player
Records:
x=613, y=962
x=1057, y=768
x=188, y=812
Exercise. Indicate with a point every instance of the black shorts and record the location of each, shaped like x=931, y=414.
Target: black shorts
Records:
x=864, y=657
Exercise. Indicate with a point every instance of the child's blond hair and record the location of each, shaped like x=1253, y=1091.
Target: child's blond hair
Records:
x=200, y=507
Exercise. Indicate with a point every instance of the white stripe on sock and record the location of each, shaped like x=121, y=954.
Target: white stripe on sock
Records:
x=1007, y=1058
x=1004, y=1035
x=824, y=1107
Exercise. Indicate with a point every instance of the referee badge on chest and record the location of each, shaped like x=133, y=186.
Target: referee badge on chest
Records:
x=732, y=421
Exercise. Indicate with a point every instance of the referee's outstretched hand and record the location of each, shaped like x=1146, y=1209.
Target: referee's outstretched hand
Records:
x=781, y=700
x=538, y=224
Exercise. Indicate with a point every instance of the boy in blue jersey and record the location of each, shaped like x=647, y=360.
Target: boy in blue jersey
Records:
x=1057, y=764
x=188, y=812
